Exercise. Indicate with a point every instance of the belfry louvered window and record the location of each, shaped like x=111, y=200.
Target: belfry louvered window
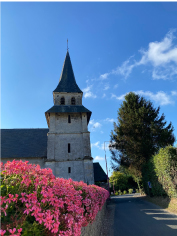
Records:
x=73, y=101
x=62, y=101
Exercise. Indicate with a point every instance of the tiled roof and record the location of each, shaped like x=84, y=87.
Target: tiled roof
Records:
x=99, y=174
x=23, y=143
x=70, y=109
x=67, y=82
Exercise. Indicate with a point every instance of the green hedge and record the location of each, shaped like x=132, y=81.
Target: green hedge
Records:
x=161, y=171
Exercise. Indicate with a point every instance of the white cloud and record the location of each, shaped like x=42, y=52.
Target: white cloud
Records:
x=109, y=120
x=116, y=85
x=91, y=122
x=174, y=93
x=125, y=69
x=161, y=55
x=103, y=146
x=88, y=93
x=160, y=97
x=104, y=95
x=164, y=72
x=104, y=76
x=97, y=125
x=106, y=87
x=94, y=125
x=120, y=97
x=98, y=158
x=95, y=144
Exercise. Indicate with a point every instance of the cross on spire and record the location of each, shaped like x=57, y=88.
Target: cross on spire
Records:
x=67, y=45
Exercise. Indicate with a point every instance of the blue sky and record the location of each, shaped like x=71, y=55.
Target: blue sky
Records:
x=114, y=47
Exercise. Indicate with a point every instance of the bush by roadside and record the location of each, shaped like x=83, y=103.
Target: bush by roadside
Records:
x=161, y=171
x=35, y=202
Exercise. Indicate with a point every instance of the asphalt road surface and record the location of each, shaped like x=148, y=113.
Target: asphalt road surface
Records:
x=130, y=215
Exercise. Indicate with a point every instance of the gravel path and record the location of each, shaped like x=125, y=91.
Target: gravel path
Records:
x=108, y=222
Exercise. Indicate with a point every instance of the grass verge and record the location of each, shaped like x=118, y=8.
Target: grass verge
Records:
x=168, y=204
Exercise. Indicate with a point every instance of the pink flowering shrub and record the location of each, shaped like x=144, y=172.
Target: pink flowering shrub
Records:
x=35, y=202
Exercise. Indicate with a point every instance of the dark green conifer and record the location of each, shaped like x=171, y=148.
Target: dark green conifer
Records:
x=139, y=132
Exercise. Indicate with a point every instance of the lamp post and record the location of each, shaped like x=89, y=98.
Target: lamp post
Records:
x=113, y=187
x=106, y=163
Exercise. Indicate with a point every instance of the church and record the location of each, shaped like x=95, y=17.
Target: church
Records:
x=65, y=145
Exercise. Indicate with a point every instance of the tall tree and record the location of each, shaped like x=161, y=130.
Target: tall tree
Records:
x=139, y=133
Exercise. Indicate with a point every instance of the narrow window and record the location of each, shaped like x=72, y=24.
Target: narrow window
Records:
x=69, y=148
x=62, y=101
x=73, y=101
x=69, y=119
x=69, y=169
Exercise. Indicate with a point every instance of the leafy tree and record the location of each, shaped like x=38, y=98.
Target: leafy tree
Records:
x=138, y=134
x=122, y=181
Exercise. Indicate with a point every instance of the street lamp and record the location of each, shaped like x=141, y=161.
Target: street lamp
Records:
x=106, y=162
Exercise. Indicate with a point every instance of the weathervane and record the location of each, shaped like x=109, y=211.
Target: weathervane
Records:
x=67, y=45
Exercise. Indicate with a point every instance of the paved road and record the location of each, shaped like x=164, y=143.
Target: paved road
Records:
x=130, y=215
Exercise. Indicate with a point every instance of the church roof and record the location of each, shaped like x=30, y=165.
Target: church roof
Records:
x=23, y=143
x=99, y=174
x=70, y=109
x=26, y=143
x=67, y=82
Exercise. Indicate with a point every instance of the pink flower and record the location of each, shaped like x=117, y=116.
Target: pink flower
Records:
x=58, y=201
x=20, y=230
x=28, y=209
x=55, y=227
x=10, y=197
x=12, y=232
x=2, y=232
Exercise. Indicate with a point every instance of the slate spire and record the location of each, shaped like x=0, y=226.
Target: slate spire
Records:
x=67, y=82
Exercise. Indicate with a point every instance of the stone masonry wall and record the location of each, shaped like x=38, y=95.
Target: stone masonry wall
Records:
x=88, y=170
x=94, y=229
x=32, y=160
x=61, y=133
x=60, y=169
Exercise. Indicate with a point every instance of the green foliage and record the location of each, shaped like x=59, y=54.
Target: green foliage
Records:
x=124, y=192
x=119, y=192
x=130, y=190
x=33, y=228
x=161, y=171
x=122, y=181
x=139, y=133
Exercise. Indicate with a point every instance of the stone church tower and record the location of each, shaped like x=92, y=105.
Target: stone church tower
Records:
x=68, y=145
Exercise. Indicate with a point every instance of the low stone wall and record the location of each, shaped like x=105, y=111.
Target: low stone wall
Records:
x=93, y=229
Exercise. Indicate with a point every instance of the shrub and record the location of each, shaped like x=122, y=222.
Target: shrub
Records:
x=119, y=192
x=35, y=202
x=161, y=171
x=130, y=191
x=116, y=193
x=124, y=192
